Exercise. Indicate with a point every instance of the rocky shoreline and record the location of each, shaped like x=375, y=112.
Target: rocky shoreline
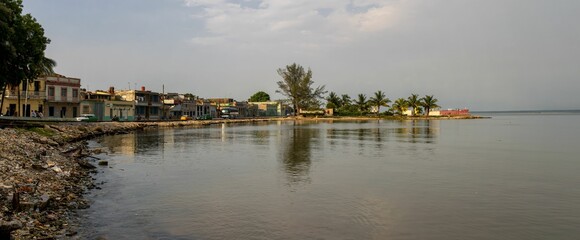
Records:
x=45, y=171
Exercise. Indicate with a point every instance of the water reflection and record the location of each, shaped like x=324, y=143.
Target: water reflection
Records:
x=150, y=142
x=412, y=131
x=418, y=131
x=296, y=154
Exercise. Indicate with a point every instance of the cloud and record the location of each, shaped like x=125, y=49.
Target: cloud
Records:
x=291, y=23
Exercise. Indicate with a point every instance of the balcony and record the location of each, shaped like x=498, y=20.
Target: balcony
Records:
x=63, y=99
x=31, y=95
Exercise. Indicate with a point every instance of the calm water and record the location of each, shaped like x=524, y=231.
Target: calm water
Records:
x=508, y=177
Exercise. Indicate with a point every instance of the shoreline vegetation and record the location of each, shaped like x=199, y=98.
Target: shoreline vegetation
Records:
x=45, y=171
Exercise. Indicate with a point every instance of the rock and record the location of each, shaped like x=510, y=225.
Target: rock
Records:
x=56, y=169
x=103, y=163
x=51, y=217
x=71, y=233
x=85, y=164
x=7, y=227
x=50, y=163
x=44, y=202
x=38, y=167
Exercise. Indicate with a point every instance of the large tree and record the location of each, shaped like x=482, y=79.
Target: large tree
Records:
x=22, y=46
x=428, y=103
x=296, y=84
x=415, y=103
x=260, y=96
x=380, y=99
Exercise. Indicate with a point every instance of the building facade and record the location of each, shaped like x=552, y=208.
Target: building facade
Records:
x=107, y=106
x=52, y=96
x=267, y=109
x=148, y=104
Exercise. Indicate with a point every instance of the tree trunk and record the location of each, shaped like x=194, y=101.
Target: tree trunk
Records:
x=295, y=109
x=3, y=96
x=18, y=112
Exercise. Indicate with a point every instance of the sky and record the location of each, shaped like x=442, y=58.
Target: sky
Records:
x=479, y=54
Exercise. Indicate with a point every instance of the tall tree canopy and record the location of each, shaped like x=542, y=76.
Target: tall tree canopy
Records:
x=296, y=84
x=22, y=46
x=260, y=96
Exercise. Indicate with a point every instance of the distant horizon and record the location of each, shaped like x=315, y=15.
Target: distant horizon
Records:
x=525, y=111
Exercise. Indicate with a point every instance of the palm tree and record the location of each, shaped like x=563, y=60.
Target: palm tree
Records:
x=44, y=67
x=415, y=103
x=345, y=100
x=400, y=106
x=362, y=103
x=429, y=102
x=379, y=100
x=333, y=99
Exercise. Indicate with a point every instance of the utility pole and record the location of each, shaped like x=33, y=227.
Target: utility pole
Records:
x=163, y=100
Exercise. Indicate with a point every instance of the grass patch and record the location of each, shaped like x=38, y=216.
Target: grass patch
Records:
x=42, y=131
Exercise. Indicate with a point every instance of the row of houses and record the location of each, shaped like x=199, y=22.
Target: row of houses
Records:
x=58, y=96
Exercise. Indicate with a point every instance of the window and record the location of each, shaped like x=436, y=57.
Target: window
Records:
x=63, y=92
x=51, y=91
x=75, y=93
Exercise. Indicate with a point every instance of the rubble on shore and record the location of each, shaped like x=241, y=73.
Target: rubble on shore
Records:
x=44, y=173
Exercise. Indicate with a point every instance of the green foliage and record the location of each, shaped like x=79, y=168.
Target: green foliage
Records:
x=22, y=46
x=429, y=102
x=296, y=84
x=331, y=105
x=400, y=105
x=379, y=100
x=415, y=103
x=259, y=97
x=345, y=100
x=333, y=100
x=43, y=131
x=362, y=103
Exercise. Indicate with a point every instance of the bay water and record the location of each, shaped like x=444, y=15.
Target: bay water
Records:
x=512, y=176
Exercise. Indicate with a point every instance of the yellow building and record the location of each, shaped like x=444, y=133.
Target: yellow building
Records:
x=53, y=96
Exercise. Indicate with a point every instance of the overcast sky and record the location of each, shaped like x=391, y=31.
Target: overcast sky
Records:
x=479, y=54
